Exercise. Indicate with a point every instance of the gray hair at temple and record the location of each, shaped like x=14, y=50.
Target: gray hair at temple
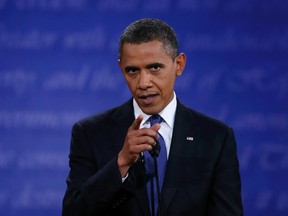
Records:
x=150, y=29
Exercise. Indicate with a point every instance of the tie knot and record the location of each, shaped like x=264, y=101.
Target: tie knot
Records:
x=154, y=119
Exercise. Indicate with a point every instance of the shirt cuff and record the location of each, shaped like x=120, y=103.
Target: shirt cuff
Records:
x=125, y=177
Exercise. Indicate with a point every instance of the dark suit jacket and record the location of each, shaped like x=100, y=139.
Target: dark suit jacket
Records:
x=202, y=175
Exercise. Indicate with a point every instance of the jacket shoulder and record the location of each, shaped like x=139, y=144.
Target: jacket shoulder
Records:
x=202, y=119
x=109, y=116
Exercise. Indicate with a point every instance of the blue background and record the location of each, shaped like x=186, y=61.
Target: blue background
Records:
x=58, y=63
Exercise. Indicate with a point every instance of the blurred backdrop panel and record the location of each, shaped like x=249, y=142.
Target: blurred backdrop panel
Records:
x=58, y=64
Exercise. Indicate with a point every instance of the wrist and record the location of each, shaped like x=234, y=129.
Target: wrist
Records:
x=123, y=165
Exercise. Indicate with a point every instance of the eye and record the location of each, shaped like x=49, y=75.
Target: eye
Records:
x=131, y=70
x=155, y=67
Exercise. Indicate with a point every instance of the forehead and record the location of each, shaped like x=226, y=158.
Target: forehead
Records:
x=149, y=51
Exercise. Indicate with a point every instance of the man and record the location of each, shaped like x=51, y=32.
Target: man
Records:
x=109, y=156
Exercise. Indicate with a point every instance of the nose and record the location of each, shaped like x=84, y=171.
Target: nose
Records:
x=145, y=80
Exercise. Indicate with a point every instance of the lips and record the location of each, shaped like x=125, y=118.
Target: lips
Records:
x=147, y=99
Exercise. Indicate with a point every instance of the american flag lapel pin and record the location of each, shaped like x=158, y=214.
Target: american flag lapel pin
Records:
x=189, y=138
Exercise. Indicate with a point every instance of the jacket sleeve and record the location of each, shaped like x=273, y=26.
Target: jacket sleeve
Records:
x=92, y=190
x=225, y=197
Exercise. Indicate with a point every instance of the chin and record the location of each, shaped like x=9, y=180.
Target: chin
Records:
x=151, y=111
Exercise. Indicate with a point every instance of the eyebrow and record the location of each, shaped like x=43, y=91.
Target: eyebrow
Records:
x=128, y=68
x=156, y=64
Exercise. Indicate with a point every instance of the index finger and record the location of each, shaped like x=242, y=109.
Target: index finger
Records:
x=136, y=124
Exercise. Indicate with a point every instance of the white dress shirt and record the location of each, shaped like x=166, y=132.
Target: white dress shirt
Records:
x=168, y=116
x=166, y=129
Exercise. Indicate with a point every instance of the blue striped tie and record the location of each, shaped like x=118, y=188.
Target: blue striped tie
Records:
x=150, y=170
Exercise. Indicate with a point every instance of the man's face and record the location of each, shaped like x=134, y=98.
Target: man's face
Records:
x=150, y=74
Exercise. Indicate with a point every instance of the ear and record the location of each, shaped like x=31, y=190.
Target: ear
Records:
x=180, y=63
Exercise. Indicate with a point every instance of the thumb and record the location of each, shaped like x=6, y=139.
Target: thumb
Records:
x=156, y=127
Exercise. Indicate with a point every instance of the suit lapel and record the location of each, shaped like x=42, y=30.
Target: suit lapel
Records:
x=182, y=141
x=141, y=193
x=123, y=119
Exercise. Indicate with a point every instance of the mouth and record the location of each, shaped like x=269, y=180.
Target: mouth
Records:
x=147, y=99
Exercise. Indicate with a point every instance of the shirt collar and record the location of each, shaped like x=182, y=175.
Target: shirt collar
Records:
x=168, y=113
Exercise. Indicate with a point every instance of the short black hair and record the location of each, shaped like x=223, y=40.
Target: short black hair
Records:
x=149, y=29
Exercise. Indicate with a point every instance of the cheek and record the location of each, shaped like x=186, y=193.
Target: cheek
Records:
x=131, y=84
x=168, y=81
x=166, y=88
